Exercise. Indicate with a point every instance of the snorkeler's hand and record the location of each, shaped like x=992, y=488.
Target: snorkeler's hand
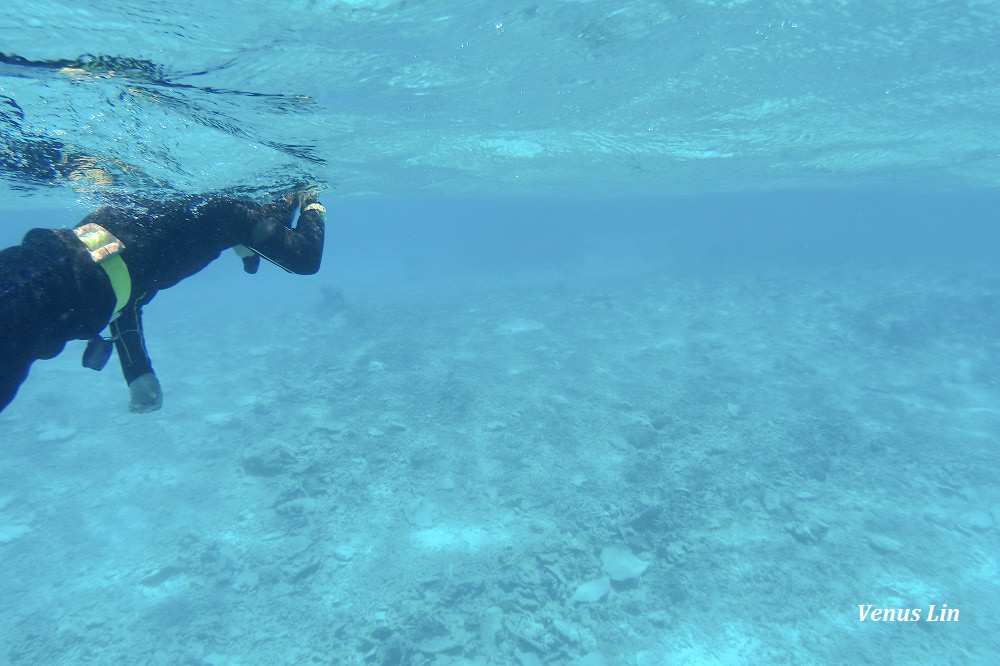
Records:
x=302, y=199
x=283, y=209
x=145, y=393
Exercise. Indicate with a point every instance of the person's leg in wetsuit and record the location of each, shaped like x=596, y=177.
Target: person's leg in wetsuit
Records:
x=145, y=394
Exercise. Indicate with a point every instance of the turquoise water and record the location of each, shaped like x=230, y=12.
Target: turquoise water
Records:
x=647, y=333
x=428, y=98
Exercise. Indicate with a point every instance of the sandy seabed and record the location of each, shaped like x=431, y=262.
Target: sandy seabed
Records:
x=625, y=471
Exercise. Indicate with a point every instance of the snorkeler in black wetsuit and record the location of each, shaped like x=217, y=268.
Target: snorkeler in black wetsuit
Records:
x=63, y=284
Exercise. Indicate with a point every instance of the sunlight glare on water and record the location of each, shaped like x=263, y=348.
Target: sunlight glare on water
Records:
x=389, y=98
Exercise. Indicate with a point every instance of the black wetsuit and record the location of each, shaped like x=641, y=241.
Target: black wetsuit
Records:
x=51, y=291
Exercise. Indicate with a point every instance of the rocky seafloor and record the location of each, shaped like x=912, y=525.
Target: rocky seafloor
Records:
x=609, y=472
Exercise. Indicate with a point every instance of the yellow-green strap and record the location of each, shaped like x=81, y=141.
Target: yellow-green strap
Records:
x=316, y=206
x=105, y=250
x=121, y=281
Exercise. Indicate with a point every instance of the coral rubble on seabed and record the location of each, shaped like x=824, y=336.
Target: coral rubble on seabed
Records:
x=619, y=473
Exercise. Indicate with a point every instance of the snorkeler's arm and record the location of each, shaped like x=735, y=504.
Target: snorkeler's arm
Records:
x=144, y=388
x=297, y=250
